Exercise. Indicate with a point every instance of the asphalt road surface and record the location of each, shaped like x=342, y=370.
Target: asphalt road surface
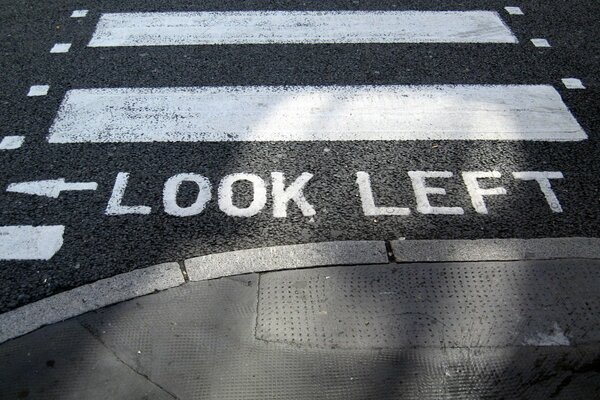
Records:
x=132, y=207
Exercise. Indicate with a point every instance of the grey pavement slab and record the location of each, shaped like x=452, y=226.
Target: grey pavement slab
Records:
x=66, y=361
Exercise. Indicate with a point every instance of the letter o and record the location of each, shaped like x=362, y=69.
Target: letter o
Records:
x=172, y=188
x=226, y=195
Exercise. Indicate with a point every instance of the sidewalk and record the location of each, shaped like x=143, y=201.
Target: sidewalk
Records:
x=399, y=329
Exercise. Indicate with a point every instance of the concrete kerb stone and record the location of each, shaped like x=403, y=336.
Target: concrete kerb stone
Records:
x=286, y=257
x=88, y=298
x=406, y=251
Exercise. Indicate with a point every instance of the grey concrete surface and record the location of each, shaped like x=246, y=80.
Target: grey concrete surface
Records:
x=495, y=249
x=208, y=339
x=66, y=361
x=89, y=297
x=286, y=257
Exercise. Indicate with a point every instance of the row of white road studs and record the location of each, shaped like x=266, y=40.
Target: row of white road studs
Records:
x=296, y=113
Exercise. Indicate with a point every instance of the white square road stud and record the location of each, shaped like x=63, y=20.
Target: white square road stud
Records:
x=572, y=83
x=11, y=142
x=61, y=48
x=38, y=90
x=540, y=43
x=79, y=13
x=514, y=10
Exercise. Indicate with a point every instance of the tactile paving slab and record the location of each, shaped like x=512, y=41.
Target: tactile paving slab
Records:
x=543, y=303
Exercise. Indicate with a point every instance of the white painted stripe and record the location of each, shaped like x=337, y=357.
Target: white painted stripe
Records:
x=264, y=27
x=79, y=13
x=38, y=90
x=60, y=48
x=30, y=242
x=11, y=142
x=540, y=43
x=305, y=113
x=573, y=83
x=514, y=10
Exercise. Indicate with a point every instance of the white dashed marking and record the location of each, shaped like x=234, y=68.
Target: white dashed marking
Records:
x=540, y=43
x=79, y=13
x=38, y=90
x=11, y=142
x=514, y=11
x=572, y=83
x=60, y=48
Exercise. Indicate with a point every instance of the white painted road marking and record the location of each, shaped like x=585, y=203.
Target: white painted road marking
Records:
x=266, y=27
x=11, y=142
x=543, y=179
x=30, y=242
x=305, y=113
x=38, y=90
x=49, y=188
x=422, y=191
x=476, y=192
x=470, y=180
x=281, y=195
x=172, y=188
x=115, y=207
x=363, y=181
x=540, y=43
x=572, y=83
x=514, y=10
x=259, y=194
x=60, y=48
x=79, y=13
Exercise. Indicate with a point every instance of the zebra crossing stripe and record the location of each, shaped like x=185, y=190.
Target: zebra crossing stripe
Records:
x=267, y=27
x=308, y=113
x=23, y=242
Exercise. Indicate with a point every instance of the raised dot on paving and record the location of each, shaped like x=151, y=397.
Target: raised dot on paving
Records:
x=540, y=43
x=514, y=10
x=38, y=90
x=79, y=13
x=60, y=48
x=11, y=142
x=572, y=83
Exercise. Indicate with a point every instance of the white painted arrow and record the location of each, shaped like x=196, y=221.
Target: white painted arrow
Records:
x=50, y=188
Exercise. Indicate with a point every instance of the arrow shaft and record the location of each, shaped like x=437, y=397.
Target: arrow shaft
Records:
x=78, y=186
